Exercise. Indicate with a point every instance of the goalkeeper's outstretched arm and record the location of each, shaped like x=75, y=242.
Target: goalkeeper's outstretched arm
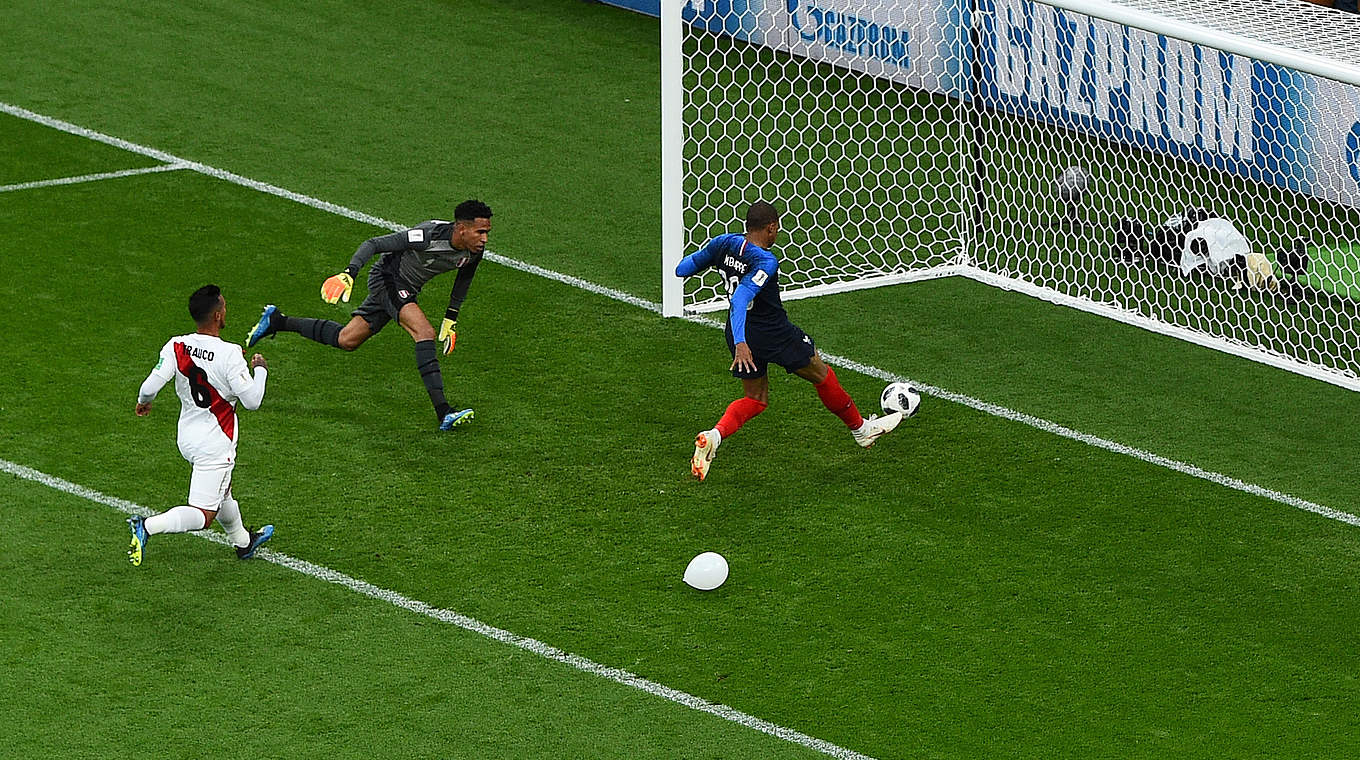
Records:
x=448, y=329
x=397, y=241
x=338, y=287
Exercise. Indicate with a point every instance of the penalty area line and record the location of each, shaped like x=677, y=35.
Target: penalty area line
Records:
x=546, y=651
x=618, y=295
x=171, y=167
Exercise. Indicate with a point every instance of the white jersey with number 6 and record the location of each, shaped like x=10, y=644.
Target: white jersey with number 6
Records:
x=210, y=376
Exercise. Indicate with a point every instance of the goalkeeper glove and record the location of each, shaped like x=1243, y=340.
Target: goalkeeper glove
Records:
x=448, y=334
x=337, y=288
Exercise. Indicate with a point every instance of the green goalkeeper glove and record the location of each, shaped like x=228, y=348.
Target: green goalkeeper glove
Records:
x=448, y=334
x=337, y=288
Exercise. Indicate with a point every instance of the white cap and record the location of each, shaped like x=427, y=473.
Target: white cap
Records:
x=706, y=571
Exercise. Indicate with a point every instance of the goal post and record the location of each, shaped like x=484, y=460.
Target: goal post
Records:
x=771, y=110
x=911, y=139
x=672, y=158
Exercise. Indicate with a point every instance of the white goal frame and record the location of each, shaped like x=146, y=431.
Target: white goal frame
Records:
x=1155, y=16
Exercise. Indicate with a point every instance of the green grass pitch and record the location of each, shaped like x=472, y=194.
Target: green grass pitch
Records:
x=970, y=587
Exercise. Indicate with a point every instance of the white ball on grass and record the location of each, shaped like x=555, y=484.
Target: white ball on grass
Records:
x=706, y=571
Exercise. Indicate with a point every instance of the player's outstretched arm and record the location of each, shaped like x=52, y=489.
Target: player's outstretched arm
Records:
x=687, y=266
x=448, y=329
x=693, y=264
x=699, y=260
x=247, y=388
x=155, y=380
x=147, y=393
x=338, y=287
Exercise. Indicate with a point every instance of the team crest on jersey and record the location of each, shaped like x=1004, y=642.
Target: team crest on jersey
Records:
x=404, y=293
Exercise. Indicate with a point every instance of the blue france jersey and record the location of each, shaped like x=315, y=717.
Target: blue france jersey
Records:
x=750, y=276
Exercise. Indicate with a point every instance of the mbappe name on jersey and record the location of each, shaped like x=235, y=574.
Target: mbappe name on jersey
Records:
x=735, y=263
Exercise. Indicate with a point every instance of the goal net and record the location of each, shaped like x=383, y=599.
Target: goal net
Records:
x=1073, y=150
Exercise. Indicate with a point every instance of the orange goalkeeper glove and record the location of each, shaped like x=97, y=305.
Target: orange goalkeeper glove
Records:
x=337, y=288
x=448, y=334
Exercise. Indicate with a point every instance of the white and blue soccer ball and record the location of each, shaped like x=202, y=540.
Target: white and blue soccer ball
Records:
x=1073, y=183
x=900, y=397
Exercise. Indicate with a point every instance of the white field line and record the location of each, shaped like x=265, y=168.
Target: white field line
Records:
x=1102, y=443
x=618, y=295
x=450, y=617
x=90, y=177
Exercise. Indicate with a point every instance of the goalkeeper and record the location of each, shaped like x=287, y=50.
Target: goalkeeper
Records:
x=1197, y=241
x=406, y=261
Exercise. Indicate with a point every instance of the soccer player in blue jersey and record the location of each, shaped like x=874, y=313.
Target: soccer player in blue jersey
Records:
x=759, y=333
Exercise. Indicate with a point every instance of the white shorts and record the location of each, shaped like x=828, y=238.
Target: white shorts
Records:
x=209, y=484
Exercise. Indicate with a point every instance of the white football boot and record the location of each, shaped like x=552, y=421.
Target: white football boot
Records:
x=705, y=446
x=875, y=426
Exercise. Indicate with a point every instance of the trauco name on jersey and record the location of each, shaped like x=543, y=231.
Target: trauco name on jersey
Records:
x=198, y=353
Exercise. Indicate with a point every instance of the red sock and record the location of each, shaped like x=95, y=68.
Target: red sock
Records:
x=835, y=398
x=738, y=413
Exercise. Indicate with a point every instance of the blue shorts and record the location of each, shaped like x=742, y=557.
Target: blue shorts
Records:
x=783, y=344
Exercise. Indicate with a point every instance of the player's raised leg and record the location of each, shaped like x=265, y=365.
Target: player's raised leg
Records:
x=181, y=519
x=838, y=402
x=208, y=485
x=324, y=331
x=427, y=363
x=738, y=413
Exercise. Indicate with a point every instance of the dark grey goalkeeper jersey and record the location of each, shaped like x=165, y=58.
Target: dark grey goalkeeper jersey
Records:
x=415, y=256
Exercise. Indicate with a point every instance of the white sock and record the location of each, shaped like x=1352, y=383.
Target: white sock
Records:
x=178, y=520
x=230, y=518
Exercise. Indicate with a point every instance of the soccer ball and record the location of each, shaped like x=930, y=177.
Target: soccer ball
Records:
x=1073, y=183
x=900, y=397
x=706, y=571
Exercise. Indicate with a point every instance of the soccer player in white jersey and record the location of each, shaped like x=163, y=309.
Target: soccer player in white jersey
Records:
x=210, y=375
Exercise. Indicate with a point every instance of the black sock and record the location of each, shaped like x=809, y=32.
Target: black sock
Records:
x=427, y=362
x=323, y=331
